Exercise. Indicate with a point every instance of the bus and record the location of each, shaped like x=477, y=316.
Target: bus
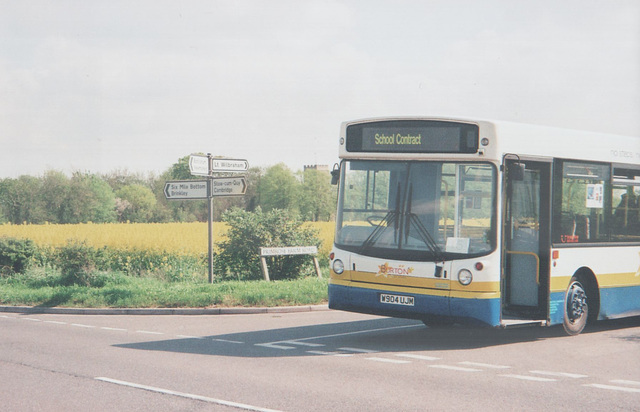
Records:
x=486, y=222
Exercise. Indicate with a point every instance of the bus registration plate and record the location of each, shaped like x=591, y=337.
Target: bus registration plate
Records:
x=397, y=299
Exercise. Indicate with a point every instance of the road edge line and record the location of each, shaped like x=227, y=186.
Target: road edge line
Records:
x=185, y=395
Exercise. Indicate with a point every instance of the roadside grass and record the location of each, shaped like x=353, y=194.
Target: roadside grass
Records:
x=137, y=266
x=46, y=288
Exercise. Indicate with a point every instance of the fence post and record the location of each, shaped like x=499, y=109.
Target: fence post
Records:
x=317, y=265
x=263, y=266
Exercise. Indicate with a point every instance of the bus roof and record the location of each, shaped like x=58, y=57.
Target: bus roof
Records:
x=524, y=140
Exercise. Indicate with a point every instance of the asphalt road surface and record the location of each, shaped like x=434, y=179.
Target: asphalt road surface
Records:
x=312, y=361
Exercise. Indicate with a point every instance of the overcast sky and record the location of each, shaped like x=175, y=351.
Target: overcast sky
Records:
x=102, y=85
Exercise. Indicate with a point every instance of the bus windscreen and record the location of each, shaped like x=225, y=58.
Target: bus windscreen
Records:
x=412, y=136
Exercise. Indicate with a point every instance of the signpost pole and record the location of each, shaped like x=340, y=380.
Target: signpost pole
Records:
x=200, y=165
x=210, y=223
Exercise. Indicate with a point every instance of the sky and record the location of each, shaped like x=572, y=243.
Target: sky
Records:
x=106, y=85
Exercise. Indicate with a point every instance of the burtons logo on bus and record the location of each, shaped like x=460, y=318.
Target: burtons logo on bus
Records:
x=386, y=270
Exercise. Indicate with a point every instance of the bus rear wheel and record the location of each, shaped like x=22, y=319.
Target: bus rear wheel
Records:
x=576, y=308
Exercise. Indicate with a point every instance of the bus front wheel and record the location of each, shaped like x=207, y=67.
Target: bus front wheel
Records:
x=576, y=308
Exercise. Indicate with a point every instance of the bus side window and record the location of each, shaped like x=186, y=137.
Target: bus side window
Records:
x=583, y=197
x=626, y=219
x=583, y=227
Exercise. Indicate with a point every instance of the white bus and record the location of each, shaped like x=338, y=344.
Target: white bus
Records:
x=495, y=223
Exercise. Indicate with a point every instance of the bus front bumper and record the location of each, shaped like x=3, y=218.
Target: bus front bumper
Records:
x=423, y=304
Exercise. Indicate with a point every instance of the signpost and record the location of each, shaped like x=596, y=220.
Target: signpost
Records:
x=207, y=165
x=229, y=165
x=186, y=189
x=284, y=251
x=228, y=186
x=199, y=165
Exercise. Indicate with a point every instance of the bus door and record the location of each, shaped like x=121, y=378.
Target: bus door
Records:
x=526, y=239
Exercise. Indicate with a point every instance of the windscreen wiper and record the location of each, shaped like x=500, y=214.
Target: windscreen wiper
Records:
x=392, y=217
x=412, y=220
x=387, y=220
x=425, y=236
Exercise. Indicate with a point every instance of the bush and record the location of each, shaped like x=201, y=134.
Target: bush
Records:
x=171, y=267
x=84, y=265
x=238, y=255
x=78, y=263
x=15, y=254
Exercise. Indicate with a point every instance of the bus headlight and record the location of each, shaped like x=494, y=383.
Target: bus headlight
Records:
x=465, y=277
x=338, y=267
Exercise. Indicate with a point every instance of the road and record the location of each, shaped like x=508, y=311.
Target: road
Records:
x=312, y=361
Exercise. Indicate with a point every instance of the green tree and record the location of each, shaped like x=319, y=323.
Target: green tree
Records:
x=54, y=192
x=119, y=178
x=102, y=206
x=20, y=200
x=180, y=170
x=136, y=203
x=89, y=199
x=317, y=196
x=252, y=196
x=278, y=189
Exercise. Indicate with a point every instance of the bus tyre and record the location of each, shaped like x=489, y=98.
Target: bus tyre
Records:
x=576, y=308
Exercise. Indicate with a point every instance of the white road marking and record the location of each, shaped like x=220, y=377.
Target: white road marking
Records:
x=274, y=345
x=530, y=378
x=55, y=322
x=278, y=344
x=358, y=350
x=485, y=365
x=80, y=325
x=360, y=331
x=321, y=352
x=32, y=319
x=189, y=337
x=227, y=341
x=455, y=368
x=187, y=395
x=624, y=382
x=149, y=332
x=295, y=342
x=560, y=374
x=387, y=360
x=614, y=388
x=116, y=329
x=419, y=357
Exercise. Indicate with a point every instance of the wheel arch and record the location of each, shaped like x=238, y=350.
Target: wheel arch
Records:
x=588, y=279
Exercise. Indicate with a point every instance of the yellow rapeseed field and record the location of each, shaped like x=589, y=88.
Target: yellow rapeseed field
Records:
x=181, y=238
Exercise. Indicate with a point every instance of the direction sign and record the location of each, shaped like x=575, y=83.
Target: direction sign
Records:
x=199, y=165
x=185, y=189
x=229, y=165
x=228, y=186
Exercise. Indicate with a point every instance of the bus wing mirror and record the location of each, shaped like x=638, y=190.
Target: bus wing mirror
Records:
x=516, y=172
x=335, y=174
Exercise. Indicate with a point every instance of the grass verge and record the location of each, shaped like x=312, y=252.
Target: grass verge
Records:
x=117, y=290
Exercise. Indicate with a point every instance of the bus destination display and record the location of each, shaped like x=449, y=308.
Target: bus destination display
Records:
x=413, y=137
